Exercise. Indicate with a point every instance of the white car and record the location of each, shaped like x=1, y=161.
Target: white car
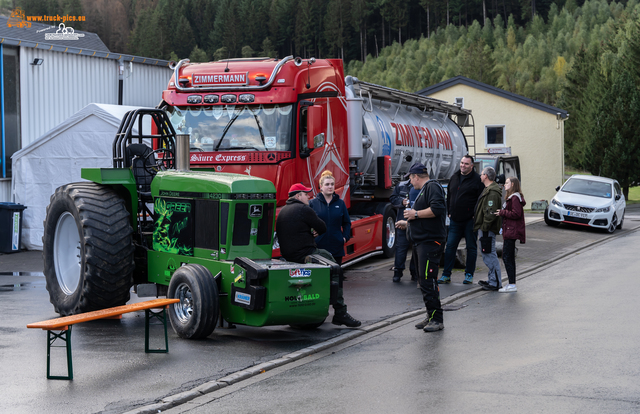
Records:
x=587, y=201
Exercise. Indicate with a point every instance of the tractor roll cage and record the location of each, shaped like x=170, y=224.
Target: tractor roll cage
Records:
x=165, y=136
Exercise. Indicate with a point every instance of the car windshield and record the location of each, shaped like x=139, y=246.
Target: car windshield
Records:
x=588, y=187
x=235, y=127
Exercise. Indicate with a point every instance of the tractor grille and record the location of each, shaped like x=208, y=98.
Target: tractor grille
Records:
x=579, y=209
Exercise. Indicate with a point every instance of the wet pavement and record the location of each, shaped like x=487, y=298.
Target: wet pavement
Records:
x=113, y=374
x=564, y=343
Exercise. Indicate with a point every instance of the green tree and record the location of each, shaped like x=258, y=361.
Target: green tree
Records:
x=247, y=51
x=183, y=42
x=267, y=48
x=198, y=55
x=613, y=149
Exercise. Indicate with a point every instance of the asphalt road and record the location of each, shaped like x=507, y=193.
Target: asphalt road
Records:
x=112, y=374
x=566, y=342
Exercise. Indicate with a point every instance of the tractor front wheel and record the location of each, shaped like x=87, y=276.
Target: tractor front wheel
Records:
x=196, y=315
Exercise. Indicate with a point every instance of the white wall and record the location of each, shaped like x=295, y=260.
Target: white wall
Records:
x=60, y=87
x=143, y=84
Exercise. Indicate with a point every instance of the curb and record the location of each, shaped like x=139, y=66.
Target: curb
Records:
x=211, y=386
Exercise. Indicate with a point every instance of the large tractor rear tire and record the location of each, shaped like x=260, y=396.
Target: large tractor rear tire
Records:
x=87, y=249
x=196, y=315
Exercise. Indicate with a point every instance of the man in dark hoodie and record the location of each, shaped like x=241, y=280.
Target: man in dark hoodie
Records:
x=462, y=194
x=295, y=227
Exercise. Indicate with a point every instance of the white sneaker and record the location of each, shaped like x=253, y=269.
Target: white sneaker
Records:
x=508, y=288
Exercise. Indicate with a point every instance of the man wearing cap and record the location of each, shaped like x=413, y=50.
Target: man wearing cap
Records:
x=426, y=229
x=295, y=228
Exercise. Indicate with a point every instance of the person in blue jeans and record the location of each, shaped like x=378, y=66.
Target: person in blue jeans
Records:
x=403, y=197
x=463, y=192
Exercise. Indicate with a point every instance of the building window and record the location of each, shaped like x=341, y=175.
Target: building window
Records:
x=494, y=136
x=459, y=102
x=11, y=108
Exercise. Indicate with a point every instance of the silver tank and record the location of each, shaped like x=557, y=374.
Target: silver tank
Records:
x=406, y=133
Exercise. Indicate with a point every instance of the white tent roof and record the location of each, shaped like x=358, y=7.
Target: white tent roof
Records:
x=82, y=141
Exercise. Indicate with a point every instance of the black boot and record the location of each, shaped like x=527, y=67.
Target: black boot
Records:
x=397, y=275
x=345, y=319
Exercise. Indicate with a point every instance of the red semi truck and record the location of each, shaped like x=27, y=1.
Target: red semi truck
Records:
x=289, y=120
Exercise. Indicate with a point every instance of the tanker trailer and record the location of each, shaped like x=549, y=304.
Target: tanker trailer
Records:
x=405, y=127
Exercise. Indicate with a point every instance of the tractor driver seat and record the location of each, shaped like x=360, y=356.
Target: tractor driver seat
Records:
x=137, y=156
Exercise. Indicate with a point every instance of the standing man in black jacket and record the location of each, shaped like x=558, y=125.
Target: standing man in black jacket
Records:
x=464, y=189
x=295, y=228
x=426, y=221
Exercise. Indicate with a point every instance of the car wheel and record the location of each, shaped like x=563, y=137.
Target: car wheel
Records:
x=613, y=225
x=621, y=221
x=548, y=220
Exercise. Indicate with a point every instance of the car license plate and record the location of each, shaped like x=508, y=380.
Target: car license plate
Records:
x=575, y=214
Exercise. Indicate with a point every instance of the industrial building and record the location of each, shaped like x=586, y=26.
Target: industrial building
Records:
x=49, y=73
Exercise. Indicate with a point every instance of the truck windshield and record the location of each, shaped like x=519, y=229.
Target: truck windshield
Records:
x=235, y=127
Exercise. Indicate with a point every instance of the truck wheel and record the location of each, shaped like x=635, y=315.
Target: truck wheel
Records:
x=196, y=315
x=389, y=232
x=87, y=249
x=547, y=220
x=307, y=326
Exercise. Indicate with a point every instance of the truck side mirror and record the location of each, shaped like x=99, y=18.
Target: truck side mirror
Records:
x=315, y=136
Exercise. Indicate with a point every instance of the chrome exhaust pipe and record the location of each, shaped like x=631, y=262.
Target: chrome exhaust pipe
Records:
x=183, y=153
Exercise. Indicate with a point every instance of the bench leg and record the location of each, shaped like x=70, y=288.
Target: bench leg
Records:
x=162, y=317
x=65, y=336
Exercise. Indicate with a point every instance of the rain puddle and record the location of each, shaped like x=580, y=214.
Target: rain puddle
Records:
x=14, y=281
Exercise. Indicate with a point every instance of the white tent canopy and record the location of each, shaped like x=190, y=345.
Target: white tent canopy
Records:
x=82, y=141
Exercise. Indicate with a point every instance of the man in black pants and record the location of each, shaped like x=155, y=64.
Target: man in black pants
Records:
x=295, y=226
x=426, y=222
x=463, y=192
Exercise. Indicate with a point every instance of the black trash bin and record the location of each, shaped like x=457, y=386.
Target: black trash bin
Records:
x=10, y=227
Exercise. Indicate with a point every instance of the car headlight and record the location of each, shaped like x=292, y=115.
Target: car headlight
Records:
x=556, y=203
x=603, y=209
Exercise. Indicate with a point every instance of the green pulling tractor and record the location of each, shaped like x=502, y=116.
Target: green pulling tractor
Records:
x=203, y=237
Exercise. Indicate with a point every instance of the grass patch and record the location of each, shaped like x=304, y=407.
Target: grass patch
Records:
x=634, y=195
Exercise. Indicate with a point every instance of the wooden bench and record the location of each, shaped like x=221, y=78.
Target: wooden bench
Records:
x=63, y=325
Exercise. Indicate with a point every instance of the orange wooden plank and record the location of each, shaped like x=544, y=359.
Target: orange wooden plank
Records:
x=101, y=314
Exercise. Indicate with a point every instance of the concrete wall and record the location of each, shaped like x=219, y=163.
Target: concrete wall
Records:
x=535, y=136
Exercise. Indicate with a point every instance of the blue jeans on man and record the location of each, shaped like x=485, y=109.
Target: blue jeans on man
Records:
x=458, y=230
x=494, y=277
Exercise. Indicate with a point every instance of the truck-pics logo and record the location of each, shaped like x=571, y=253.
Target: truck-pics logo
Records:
x=63, y=33
x=299, y=272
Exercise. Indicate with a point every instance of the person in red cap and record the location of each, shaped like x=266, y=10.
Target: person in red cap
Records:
x=296, y=227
